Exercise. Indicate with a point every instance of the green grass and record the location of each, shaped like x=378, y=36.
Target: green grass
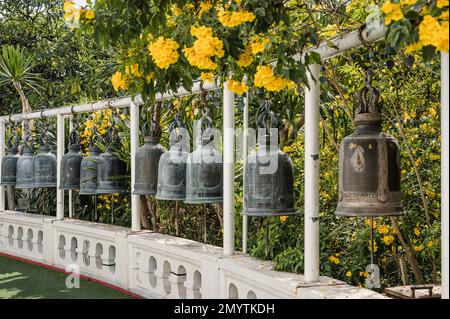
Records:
x=27, y=281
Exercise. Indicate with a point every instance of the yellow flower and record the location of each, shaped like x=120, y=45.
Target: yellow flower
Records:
x=259, y=45
x=431, y=32
x=204, y=49
x=286, y=149
x=417, y=231
x=392, y=11
x=408, y=2
x=418, y=248
x=133, y=70
x=334, y=260
x=430, y=244
x=441, y=3
x=368, y=222
x=364, y=274
x=119, y=81
x=444, y=15
x=375, y=247
x=348, y=273
x=164, y=52
x=204, y=7
x=383, y=229
x=71, y=14
x=389, y=239
x=207, y=77
x=413, y=47
x=283, y=218
x=89, y=14
x=237, y=87
x=232, y=19
x=245, y=59
x=265, y=78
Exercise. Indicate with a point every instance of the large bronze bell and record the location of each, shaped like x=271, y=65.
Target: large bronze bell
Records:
x=44, y=164
x=25, y=165
x=88, y=168
x=269, y=173
x=172, y=166
x=111, y=170
x=369, y=163
x=9, y=164
x=147, y=161
x=204, y=170
x=71, y=164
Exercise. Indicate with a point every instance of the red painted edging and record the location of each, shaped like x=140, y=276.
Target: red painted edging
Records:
x=103, y=283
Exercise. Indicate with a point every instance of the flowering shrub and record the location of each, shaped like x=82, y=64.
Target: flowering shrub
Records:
x=418, y=24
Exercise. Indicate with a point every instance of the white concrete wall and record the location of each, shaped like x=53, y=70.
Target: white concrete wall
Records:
x=155, y=265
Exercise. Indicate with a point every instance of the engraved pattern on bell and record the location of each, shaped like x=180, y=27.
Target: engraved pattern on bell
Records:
x=369, y=164
x=358, y=160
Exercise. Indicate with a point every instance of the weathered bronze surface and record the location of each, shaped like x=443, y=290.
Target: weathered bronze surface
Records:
x=9, y=164
x=269, y=173
x=204, y=170
x=147, y=161
x=88, y=169
x=44, y=165
x=172, y=167
x=71, y=164
x=112, y=177
x=369, y=164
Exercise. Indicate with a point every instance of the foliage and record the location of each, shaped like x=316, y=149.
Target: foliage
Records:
x=153, y=46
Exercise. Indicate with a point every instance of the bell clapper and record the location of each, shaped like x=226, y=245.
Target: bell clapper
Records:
x=204, y=223
x=177, y=208
x=372, y=248
x=95, y=209
x=266, y=240
x=112, y=209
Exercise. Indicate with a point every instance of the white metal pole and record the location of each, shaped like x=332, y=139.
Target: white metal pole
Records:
x=2, y=154
x=445, y=149
x=312, y=105
x=134, y=144
x=70, y=191
x=59, y=154
x=245, y=153
x=228, y=171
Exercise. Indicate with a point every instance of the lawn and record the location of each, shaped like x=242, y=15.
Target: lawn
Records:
x=27, y=281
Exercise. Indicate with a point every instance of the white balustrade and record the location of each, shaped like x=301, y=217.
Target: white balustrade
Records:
x=155, y=265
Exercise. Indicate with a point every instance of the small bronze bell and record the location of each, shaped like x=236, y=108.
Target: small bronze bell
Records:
x=204, y=170
x=44, y=164
x=269, y=173
x=369, y=163
x=25, y=165
x=147, y=161
x=71, y=163
x=9, y=164
x=172, y=166
x=88, y=167
x=112, y=175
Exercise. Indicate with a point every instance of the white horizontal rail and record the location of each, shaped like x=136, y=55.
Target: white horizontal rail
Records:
x=105, y=104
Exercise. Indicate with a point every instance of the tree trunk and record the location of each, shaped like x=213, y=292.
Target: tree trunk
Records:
x=25, y=107
x=144, y=213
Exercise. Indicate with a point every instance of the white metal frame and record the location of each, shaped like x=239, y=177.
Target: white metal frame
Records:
x=312, y=105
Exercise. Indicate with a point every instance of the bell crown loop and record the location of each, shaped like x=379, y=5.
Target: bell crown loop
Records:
x=175, y=136
x=74, y=141
x=368, y=111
